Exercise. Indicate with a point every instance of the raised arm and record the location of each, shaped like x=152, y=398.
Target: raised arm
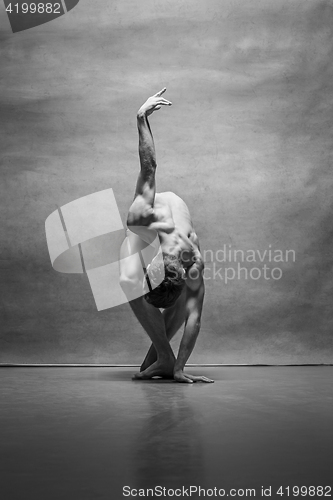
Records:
x=142, y=206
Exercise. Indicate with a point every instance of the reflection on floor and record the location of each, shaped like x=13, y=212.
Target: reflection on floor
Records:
x=84, y=433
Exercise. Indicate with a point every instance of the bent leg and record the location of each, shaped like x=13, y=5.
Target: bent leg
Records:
x=173, y=318
x=152, y=321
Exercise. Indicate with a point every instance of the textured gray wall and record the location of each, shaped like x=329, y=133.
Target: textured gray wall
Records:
x=247, y=143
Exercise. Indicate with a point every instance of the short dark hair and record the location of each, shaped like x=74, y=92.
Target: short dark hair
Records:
x=168, y=291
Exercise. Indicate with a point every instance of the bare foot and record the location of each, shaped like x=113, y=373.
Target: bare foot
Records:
x=162, y=369
x=149, y=360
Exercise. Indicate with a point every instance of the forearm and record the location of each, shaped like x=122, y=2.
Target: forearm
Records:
x=146, y=144
x=191, y=332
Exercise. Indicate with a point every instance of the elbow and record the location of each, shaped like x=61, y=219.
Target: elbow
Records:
x=140, y=116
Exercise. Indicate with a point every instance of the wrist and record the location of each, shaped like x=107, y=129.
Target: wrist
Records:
x=141, y=115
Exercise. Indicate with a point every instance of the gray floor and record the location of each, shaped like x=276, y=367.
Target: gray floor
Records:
x=84, y=433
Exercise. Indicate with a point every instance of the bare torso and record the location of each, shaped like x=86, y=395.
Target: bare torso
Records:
x=172, y=221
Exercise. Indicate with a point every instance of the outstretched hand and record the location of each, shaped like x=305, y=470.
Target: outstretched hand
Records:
x=154, y=103
x=189, y=379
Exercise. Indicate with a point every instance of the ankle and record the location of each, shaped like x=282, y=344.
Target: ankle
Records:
x=166, y=358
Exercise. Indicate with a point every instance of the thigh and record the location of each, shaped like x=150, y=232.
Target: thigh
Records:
x=174, y=316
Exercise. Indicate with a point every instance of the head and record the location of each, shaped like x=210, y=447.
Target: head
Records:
x=168, y=291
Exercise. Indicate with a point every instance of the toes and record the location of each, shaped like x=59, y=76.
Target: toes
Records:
x=154, y=370
x=150, y=373
x=143, y=375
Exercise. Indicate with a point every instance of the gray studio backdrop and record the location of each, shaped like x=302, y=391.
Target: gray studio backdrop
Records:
x=247, y=143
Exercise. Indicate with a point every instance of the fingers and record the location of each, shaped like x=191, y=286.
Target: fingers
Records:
x=195, y=378
x=160, y=92
x=190, y=379
x=204, y=379
x=207, y=380
x=165, y=101
x=186, y=380
x=162, y=102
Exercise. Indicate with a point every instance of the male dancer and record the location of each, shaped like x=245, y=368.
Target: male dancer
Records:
x=181, y=293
